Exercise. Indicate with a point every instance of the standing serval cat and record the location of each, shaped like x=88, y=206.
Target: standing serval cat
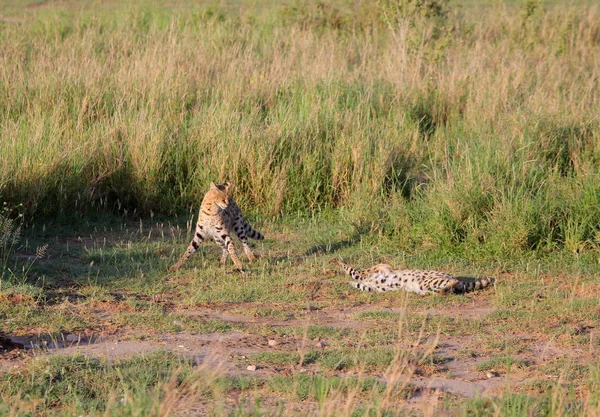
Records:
x=383, y=278
x=219, y=216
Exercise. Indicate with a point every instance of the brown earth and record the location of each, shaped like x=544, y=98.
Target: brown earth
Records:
x=457, y=375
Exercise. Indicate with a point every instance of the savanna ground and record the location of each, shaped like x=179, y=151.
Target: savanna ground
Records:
x=460, y=136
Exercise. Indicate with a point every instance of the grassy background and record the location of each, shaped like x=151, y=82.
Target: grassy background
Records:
x=457, y=136
x=475, y=132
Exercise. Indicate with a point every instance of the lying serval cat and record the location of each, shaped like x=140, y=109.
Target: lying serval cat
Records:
x=382, y=277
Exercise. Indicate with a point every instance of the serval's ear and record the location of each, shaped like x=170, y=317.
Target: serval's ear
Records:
x=213, y=186
x=227, y=185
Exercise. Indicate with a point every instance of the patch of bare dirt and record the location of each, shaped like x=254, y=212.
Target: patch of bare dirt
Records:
x=455, y=371
x=461, y=388
x=341, y=317
x=225, y=349
x=37, y=4
x=468, y=312
x=212, y=348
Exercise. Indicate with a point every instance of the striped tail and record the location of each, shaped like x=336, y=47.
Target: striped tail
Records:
x=251, y=233
x=357, y=275
x=479, y=284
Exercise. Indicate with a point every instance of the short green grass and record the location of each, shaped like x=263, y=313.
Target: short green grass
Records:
x=116, y=283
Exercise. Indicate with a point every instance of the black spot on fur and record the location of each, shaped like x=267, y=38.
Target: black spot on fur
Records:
x=194, y=244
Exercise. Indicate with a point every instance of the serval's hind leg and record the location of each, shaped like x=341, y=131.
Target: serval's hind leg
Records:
x=251, y=257
x=367, y=286
x=228, y=249
x=241, y=234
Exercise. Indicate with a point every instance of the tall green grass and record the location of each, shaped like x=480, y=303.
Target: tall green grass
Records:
x=10, y=233
x=479, y=134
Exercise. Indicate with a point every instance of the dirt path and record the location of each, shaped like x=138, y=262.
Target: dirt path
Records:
x=458, y=375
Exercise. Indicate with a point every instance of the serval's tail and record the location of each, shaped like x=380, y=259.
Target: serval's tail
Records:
x=479, y=284
x=354, y=273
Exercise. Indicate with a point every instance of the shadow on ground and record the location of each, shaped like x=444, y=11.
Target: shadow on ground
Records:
x=329, y=248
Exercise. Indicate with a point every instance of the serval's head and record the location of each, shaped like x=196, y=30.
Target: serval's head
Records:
x=218, y=195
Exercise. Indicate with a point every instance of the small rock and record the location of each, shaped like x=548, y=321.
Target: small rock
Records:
x=251, y=367
x=72, y=337
x=272, y=342
x=492, y=374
